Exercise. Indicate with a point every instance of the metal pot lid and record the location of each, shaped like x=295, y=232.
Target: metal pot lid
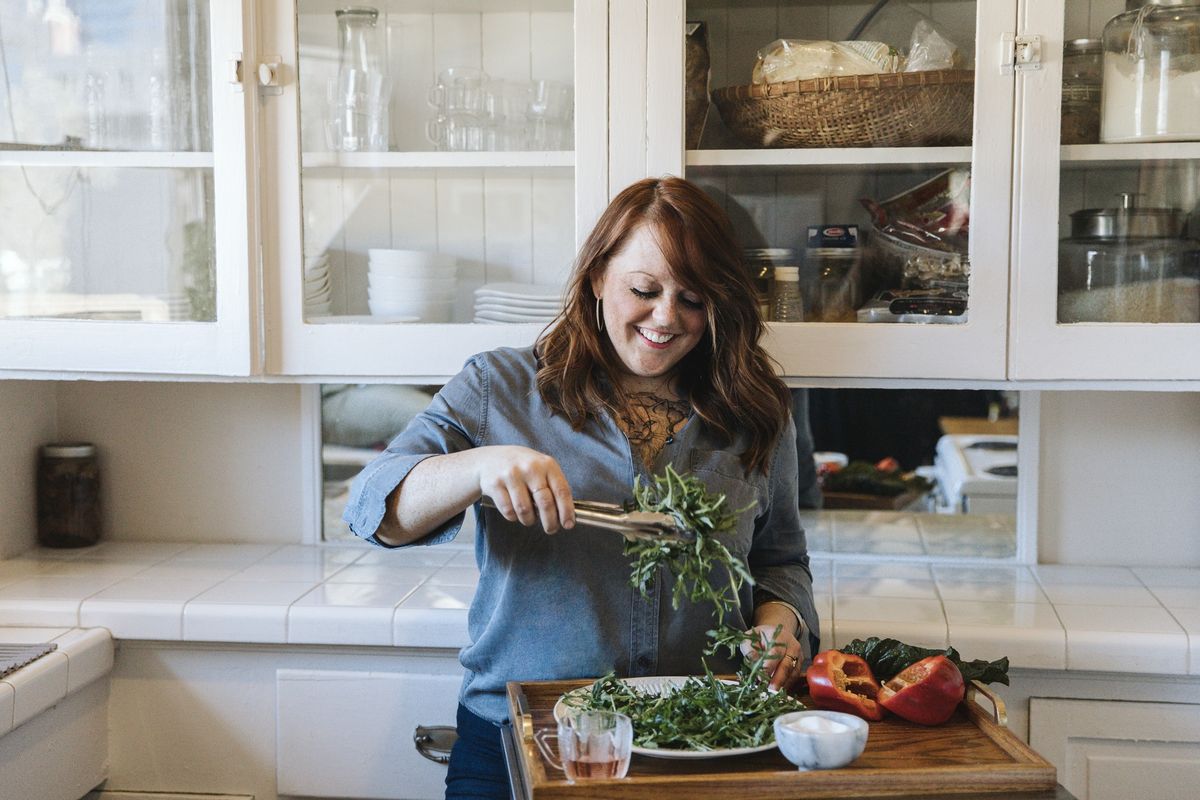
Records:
x=69, y=450
x=1078, y=47
x=1128, y=221
x=1134, y=5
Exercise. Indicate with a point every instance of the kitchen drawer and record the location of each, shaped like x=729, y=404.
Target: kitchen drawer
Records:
x=349, y=734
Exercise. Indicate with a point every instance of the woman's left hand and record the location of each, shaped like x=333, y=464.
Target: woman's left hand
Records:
x=784, y=662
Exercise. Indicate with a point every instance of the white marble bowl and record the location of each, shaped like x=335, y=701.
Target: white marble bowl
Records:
x=820, y=739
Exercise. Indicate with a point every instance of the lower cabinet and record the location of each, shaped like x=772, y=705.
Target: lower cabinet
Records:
x=345, y=733
x=1116, y=750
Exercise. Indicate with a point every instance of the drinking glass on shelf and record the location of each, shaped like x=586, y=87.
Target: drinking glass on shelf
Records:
x=460, y=91
x=359, y=94
x=457, y=133
x=551, y=110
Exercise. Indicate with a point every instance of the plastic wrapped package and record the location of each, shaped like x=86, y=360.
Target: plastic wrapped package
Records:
x=800, y=59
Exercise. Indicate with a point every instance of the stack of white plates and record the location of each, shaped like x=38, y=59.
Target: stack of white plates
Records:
x=411, y=283
x=318, y=289
x=517, y=302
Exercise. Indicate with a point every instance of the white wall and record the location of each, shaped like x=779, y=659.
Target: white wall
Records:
x=1120, y=479
x=194, y=461
x=27, y=419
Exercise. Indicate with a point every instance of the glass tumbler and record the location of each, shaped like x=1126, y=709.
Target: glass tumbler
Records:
x=591, y=744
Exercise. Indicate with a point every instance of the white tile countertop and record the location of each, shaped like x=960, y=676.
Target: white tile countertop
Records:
x=1047, y=617
x=81, y=657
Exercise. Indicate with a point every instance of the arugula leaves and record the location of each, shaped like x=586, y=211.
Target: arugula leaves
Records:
x=705, y=713
x=692, y=564
x=888, y=657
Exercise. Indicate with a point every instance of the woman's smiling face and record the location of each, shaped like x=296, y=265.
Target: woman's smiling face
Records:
x=651, y=320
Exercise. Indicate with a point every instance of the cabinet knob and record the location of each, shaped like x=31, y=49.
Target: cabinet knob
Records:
x=269, y=71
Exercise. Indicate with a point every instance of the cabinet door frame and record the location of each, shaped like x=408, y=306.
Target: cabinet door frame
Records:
x=1041, y=348
x=1101, y=727
x=227, y=346
x=422, y=353
x=975, y=350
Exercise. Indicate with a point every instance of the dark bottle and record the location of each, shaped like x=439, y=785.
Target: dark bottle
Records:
x=68, y=495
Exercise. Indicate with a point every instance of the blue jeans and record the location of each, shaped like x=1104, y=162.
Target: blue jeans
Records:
x=477, y=767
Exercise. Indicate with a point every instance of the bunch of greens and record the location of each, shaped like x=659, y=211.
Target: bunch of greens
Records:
x=889, y=657
x=692, y=563
x=863, y=478
x=705, y=713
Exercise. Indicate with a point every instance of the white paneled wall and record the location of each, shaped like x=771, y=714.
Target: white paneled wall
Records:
x=27, y=420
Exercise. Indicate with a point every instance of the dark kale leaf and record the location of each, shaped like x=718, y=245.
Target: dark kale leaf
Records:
x=888, y=657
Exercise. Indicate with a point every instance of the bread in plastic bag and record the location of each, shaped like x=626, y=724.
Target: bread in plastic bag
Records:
x=799, y=59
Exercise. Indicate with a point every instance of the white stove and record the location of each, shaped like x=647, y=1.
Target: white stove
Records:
x=978, y=474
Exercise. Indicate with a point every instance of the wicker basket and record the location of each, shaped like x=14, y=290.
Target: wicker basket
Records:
x=899, y=109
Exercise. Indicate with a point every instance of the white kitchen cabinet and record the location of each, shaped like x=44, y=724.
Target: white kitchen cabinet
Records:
x=1113, y=750
x=343, y=733
x=508, y=214
x=1044, y=342
x=773, y=195
x=109, y=238
x=125, y=185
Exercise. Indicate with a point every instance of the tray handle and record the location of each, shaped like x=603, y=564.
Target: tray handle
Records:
x=525, y=716
x=999, y=712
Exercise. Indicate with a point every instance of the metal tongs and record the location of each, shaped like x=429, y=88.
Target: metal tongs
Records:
x=634, y=525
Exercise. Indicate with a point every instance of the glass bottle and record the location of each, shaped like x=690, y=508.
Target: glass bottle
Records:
x=1151, y=90
x=68, y=495
x=1083, y=71
x=361, y=89
x=788, y=305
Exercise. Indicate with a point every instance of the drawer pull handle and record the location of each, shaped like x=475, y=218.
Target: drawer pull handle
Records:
x=435, y=741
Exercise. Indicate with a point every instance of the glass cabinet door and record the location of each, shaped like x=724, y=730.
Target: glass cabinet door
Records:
x=867, y=179
x=1109, y=286
x=122, y=237
x=442, y=182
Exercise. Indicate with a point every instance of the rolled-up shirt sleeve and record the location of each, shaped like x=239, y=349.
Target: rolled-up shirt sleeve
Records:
x=778, y=557
x=455, y=420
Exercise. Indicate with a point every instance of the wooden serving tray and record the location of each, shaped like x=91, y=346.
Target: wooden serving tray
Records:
x=971, y=753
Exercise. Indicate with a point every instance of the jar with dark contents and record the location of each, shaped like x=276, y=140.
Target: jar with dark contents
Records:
x=1083, y=74
x=68, y=495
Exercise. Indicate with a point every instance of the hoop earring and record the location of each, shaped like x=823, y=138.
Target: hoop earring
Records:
x=599, y=316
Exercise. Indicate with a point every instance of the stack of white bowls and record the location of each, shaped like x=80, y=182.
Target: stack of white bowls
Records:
x=413, y=284
x=318, y=289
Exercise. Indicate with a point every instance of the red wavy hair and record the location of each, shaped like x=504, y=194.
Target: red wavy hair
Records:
x=727, y=376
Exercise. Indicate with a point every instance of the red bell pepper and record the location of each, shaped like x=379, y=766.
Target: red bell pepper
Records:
x=926, y=692
x=838, y=681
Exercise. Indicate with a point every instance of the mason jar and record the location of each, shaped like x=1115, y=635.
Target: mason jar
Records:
x=68, y=495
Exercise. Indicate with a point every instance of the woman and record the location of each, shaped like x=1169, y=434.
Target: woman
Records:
x=655, y=360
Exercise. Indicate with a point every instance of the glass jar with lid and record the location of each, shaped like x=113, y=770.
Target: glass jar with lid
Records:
x=1128, y=264
x=762, y=261
x=1151, y=85
x=68, y=495
x=1083, y=71
x=831, y=262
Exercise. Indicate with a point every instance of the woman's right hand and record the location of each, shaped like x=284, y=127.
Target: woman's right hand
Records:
x=526, y=486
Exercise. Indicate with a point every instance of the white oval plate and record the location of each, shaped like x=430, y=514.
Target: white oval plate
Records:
x=662, y=684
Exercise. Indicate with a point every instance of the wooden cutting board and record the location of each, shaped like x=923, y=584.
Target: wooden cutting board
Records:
x=972, y=753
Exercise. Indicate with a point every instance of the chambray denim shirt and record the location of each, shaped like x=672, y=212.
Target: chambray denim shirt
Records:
x=561, y=607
